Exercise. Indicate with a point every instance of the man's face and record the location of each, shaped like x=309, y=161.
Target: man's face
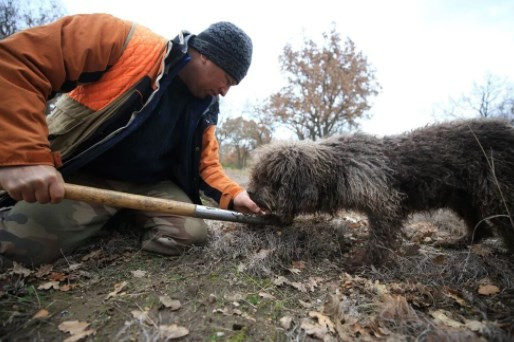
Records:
x=209, y=79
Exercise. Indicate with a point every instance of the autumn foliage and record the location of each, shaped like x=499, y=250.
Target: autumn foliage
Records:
x=328, y=87
x=238, y=137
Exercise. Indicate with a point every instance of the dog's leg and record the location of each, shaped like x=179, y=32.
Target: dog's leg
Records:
x=505, y=229
x=383, y=241
x=477, y=229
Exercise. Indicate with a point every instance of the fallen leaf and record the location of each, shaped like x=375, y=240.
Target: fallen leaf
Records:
x=450, y=293
x=475, y=326
x=300, y=265
x=248, y=317
x=142, y=316
x=262, y=254
x=212, y=298
x=234, y=297
x=285, y=322
x=481, y=250
x=440, y=259
x=359, y=330
x=488, y=290
x=57, y=276
x=266, y=295
x=44, y=270
x=65, y=288
x=79, y=336
x=75, y=266
x=138, y=273
x=299, y=286
x=411, y=250
x=73, y=327
x=241, y=267
x=117, y=289
x=379, y=288
x=169, y=303
x=43, y=313
x=20, y=269
x=92, y=255
x=49, y=285
x=313, y=282
x=294, y=270
x=172, y=331
x=309, y=285
x=281, y=280
x=305, y=304
x=441, y=316
x=228, y=312
x=323, y=320
x=375, y=329
x=313, y=329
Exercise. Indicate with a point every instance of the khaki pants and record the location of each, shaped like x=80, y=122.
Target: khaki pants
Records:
x=33, y=234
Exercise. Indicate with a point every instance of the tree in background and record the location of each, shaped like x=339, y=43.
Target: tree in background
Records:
x=16, y=15
x=492, y=98
x=329, y=88
x=238, y=137
x=264, y=125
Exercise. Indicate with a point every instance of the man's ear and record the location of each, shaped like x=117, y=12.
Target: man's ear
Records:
x=203, y=59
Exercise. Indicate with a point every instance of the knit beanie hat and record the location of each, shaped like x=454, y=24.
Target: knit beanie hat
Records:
x=226, y=45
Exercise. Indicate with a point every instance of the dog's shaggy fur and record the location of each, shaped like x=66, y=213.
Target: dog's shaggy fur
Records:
x=466, y=166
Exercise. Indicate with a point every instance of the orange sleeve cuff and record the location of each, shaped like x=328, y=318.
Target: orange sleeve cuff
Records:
x=34, y=158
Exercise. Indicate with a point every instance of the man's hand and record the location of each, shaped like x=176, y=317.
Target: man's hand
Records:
x=32, y=183
x=243, y=203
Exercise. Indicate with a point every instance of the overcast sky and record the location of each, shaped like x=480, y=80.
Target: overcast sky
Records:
x=423, y=51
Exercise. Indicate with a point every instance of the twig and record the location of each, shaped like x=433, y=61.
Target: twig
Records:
x=37, y=296
x=64, y=256
x=490, y=162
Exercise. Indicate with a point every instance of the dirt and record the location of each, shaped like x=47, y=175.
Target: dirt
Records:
x=270, y=284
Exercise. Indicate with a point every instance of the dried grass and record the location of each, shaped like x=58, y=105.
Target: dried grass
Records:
x=267, y=250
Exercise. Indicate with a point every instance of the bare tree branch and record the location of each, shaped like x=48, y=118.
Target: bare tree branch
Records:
x=16, y=15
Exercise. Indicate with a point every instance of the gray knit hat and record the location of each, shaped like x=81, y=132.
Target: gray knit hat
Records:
x=226, y=45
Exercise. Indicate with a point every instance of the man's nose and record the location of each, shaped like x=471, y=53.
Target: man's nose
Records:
x=223, y=90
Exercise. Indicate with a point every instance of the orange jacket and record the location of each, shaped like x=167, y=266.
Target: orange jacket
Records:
x=100, y=58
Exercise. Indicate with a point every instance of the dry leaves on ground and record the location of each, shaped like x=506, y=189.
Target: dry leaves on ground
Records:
x=169, y=303
x=117, y=290
x=77, y=329
x=172, y=331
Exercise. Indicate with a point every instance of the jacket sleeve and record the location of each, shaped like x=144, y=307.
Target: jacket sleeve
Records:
x=212, y=172
x=37, y=63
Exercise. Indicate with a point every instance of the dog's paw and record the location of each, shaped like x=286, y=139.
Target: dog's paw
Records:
x=458, y=243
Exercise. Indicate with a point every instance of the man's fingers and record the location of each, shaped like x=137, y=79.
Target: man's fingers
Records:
x=244, y=203
x=31, y=183
x=56, y=191
x=28, y=195
x=41, y=193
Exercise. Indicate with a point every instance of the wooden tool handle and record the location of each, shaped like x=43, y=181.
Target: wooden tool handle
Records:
x=131, y=201
x=120, y=199
x=125, y=200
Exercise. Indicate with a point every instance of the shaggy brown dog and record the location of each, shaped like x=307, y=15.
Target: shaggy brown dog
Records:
x=466, y=166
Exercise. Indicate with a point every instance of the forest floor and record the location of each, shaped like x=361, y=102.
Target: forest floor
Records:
x=268, y=284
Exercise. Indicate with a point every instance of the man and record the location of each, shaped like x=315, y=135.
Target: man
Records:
x=139, y=116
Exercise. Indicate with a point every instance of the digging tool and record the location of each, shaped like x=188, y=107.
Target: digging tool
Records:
x=131, y=201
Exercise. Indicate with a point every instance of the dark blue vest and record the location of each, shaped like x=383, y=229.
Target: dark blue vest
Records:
x=149, y=153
